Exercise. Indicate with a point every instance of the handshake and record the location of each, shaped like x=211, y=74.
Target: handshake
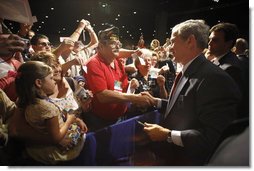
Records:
x=145, y=99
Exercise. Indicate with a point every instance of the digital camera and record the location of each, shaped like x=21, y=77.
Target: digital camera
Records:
x=82, y=94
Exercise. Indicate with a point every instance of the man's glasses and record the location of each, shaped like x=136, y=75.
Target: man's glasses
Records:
x=45, y=44
x=115, y=44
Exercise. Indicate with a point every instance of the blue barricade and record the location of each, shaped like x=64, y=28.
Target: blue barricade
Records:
x=113, y=145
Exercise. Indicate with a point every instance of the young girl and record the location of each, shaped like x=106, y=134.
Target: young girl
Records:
x=65, y=96
x=34, y=83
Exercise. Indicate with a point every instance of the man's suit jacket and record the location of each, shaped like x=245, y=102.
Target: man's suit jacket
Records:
x=205, y=103
x=238, y=71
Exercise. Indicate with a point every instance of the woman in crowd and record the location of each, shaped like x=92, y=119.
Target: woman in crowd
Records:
x=64, y=95
x=34, y=89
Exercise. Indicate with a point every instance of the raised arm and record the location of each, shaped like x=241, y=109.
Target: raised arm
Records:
x=93, y=37
x=67, y=45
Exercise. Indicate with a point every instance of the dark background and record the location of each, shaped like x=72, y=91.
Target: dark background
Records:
x=153, y=18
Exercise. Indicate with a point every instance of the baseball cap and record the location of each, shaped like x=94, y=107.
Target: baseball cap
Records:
x=111, y=33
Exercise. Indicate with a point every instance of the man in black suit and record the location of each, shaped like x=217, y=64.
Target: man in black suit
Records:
x=222, y=39
x=203, y=104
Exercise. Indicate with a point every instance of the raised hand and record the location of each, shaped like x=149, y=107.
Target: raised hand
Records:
x=11, y=44
x=161, y=80
x=84, y=23
x=67, y=44
x=134, y=83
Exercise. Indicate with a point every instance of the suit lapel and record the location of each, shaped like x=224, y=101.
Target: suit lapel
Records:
x=194, y=66
x=179, y=87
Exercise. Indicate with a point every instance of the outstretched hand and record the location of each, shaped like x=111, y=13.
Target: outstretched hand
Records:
x=143, y=100
x=153, y=101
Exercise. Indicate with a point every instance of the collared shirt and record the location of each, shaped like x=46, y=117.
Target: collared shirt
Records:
x=7, y=82
x=101, y=76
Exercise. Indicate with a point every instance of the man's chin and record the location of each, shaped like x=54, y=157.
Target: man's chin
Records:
x=116, y=53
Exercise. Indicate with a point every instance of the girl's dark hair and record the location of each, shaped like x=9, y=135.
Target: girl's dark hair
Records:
x=25, y=81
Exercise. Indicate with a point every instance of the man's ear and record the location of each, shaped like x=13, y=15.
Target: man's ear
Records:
x=191, y=40
x=38, y=83
x=100, y=45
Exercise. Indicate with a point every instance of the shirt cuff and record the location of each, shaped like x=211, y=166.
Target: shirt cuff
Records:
x=176, y=138
x=159, y=103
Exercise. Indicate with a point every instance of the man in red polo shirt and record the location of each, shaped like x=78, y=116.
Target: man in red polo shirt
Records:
x=106, y=78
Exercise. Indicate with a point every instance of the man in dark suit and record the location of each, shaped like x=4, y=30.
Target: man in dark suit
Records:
x=201, y=107
x=222, y=39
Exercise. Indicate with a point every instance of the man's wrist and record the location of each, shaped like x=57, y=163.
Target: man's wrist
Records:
x=169, y=138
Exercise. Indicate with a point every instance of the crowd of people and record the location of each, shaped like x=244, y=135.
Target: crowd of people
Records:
x=51, y=97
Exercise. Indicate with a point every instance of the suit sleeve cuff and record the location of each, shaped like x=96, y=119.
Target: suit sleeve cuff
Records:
x=176, y=138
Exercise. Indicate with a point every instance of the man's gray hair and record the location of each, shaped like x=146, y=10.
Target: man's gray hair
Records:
x=198, y=28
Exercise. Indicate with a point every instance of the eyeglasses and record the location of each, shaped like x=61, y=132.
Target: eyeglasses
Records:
x=45, y=44
x=115, y=44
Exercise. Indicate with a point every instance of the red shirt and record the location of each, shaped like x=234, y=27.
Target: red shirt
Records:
x=101, y=76
x=7, y=82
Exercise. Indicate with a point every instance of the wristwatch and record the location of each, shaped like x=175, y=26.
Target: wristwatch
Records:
x=169, y=138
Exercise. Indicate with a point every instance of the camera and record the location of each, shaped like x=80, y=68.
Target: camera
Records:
x=151, y=81
x=82, y=94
